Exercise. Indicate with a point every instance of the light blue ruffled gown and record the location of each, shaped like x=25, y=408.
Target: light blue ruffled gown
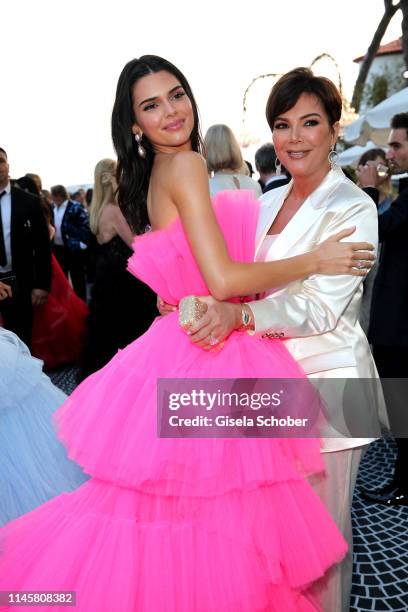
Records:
x=33, y=464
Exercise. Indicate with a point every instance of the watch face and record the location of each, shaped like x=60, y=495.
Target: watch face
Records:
x=245, y=317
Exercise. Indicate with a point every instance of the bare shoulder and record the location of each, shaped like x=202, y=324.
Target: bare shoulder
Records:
x=187, y=161
x=108, y=213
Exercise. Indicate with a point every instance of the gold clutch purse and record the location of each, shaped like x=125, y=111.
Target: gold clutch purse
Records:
x=191, y=309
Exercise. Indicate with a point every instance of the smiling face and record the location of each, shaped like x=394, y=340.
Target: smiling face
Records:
x=303, y=137
x=163, y=112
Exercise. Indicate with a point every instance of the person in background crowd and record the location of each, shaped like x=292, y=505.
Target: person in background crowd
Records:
x=32, y=185
x=224, y=159
x=37, y=180
x=378, y=158
x=47, y=197
x=58, y=325
x=88, y=198
x=72, y=235
x=25, y=254
x=271, y=172
x=250, y=168
x=91, y=252
x=388, y=330
x=34, y=466
x=80, y=196
x=121, y=307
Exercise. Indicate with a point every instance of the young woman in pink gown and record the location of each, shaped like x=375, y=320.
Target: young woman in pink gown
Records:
x=180, y=525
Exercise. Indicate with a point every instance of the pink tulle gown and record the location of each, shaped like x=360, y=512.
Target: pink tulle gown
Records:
x=177, y=525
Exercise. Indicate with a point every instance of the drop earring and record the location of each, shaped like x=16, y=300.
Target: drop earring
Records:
x=333, y=158
x=278, y=167
x=140, y=149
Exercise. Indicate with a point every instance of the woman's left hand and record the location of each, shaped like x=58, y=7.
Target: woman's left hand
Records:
x=216, y=324
x=368, y=175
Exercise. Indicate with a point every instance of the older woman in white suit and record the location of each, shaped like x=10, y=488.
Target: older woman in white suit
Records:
x=317, y=317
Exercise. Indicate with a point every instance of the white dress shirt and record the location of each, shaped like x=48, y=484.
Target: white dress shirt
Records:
x=5, y=203
x=276, y=177
x=59, y=212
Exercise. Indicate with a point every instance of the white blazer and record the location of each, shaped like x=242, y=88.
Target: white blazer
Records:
x=319, y=316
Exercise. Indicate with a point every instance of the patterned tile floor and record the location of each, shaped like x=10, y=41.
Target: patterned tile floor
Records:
x=380, y=576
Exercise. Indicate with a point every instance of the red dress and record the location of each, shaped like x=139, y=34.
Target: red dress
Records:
x=59, y=324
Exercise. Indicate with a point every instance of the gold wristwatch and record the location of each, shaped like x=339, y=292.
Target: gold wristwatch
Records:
x=245, y=317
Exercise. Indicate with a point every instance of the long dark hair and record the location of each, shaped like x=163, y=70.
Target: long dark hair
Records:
x=133, y=172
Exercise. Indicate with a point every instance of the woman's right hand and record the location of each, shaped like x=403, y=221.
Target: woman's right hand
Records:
x=5, y=291
x=333, y=257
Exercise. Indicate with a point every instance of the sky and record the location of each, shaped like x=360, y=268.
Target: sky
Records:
x=61, y=61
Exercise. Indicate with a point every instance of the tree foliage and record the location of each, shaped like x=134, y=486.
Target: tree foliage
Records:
x=404, y=26
x=389, y=11
x=383, y=84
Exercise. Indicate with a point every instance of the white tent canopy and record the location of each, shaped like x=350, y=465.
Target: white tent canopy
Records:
x=350, y=157
x=375, y=124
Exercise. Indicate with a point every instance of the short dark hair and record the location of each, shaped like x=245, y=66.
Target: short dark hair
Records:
x=400, y=122
x=265, y=159
x=3, y=151
x=288, y=89
x=371, y=155
x=59, y=190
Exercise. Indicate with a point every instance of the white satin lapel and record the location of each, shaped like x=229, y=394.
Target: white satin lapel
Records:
x=296, y=229
x=271, y=203
x=307, y=215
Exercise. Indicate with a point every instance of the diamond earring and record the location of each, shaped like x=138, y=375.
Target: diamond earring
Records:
x=333, y=158
x=140, y=149
x=278, y=167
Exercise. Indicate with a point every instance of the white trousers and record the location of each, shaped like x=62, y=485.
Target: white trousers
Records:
x=335, y=489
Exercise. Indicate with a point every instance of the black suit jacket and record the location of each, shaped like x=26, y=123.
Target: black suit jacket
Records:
x=30, y=242
x=275, y=184
x=389, y=306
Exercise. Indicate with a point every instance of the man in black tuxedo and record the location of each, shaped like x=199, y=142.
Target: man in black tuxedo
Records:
x=271, y=173
x=388, y=330
x=25, y=253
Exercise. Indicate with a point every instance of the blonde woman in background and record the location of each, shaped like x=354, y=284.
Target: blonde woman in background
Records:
x=224, y=159
x=121, y=307
x=105, y=219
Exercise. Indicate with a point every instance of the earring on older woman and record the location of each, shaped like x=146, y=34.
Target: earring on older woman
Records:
x=278, y=167
x=333, y=158
x=140, y=149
